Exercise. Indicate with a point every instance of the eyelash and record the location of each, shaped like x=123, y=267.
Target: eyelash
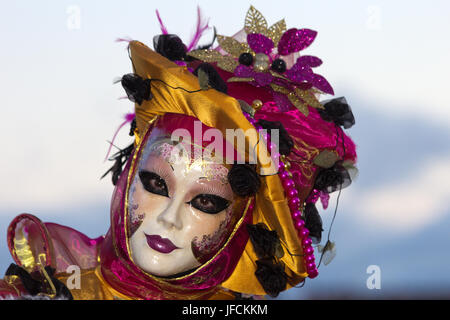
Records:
x=146, y=178
x=218, y=203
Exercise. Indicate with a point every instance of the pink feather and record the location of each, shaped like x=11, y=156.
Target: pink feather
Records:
x=127, y=39
x=163, y=27
x=202, y=26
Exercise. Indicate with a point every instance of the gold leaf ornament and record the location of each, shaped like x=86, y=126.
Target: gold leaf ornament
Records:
x=232, y=46
x=255, y=22
x=206, y=55
x=309, y=98
x=239, y=79
x=226, y=63
x=293, y=98
x=298, y=103
x=276, y=31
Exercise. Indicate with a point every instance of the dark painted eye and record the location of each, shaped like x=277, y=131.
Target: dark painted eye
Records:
x=153, y=183
x=209, y=203
x=279, y=65
x=246, y=59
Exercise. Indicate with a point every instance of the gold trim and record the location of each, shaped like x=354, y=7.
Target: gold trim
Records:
x=41, y=263
x=23, y=251
x=10, y=281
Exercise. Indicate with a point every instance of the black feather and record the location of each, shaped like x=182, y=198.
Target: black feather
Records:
x=313, y=222
x=119, y=158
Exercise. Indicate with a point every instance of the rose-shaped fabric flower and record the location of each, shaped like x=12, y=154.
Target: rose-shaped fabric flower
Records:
x=170, y=46
x=137, y=89
x=243, y=179
x=266, y=243
x=332, y=179
x=37, y=284
x=338, y=111
x=271, y=276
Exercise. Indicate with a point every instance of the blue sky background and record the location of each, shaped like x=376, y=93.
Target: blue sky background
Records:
x=390, y=60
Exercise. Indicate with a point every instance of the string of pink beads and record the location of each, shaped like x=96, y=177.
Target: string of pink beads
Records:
x=294, y=204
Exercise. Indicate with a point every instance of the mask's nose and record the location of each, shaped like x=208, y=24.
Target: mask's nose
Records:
x=171, y=216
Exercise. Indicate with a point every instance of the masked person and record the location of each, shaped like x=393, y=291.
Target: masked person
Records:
x=215, y=199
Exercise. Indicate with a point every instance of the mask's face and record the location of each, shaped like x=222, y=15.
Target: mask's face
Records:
x=180, y=209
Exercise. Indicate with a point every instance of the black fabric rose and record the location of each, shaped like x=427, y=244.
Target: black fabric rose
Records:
x=271, y=275
x=338, y=111
x=243, y=179
x=313, y=222
x=332, y=179
x=137, y=89
x=266, y=243
x=214, y=79
x=170, y=46
x=285, y=141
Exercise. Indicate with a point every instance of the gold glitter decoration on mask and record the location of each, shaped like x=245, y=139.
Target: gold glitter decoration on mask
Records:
x=276, y=31
x=232, y=46
x=255, y=22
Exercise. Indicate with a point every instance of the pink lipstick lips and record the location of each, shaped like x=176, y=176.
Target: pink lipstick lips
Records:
x=159, y=244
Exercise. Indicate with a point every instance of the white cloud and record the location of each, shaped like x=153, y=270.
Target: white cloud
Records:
x=410, y=204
